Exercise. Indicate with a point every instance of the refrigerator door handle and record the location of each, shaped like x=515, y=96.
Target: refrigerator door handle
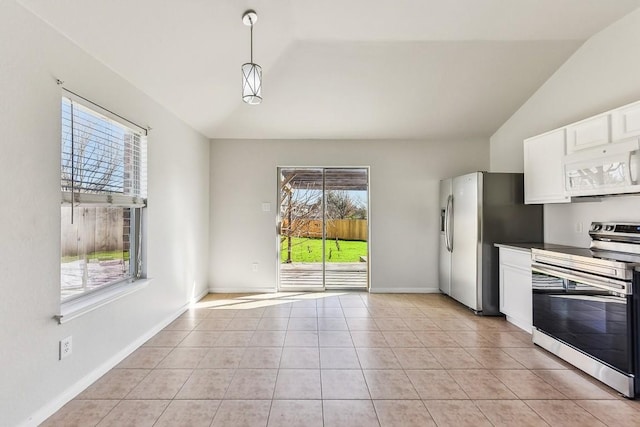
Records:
x=446, y=236
x=446, y=224
x=448, y=231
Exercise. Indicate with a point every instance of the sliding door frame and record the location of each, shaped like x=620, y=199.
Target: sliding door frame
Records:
x=277, y=230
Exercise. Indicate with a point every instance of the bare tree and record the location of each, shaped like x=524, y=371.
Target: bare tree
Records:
x=340, y=205
x=90, y=166
x=300, y=206
x=361, y=212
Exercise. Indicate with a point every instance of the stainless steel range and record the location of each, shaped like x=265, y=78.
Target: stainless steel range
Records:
x=586, y=304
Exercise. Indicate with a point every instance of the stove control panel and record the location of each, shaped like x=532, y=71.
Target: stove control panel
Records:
x=613, y=229
x=628, y=228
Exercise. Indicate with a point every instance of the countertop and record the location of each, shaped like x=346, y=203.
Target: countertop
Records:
x=526, y=247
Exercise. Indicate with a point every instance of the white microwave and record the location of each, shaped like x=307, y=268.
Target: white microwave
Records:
x=608, y=169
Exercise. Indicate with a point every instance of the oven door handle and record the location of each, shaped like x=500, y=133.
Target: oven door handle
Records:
x=612, y=285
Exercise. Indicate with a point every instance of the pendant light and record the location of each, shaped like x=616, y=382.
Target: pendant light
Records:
x=251, y=72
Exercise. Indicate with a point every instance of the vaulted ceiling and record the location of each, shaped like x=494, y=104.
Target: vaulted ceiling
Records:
x=336, y=69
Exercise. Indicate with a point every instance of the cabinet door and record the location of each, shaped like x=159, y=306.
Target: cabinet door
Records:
x=515, y=287
x=515, y=295
x=543, y=171
x=589, y=133
x=625, y=122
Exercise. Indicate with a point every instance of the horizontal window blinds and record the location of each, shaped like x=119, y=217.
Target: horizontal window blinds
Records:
x=103, y=161
x=105, y=200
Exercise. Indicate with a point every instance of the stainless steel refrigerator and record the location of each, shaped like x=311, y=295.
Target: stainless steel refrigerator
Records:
x=476, y=211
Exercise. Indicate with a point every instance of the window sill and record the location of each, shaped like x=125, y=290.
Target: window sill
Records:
x=72, y=309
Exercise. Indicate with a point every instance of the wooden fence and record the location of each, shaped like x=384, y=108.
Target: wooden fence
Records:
x=343, y=229
x=102, y=230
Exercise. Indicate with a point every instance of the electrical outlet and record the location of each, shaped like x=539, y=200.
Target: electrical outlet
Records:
x=578, y=227
x=254, y=267
x=65, y=347
x=266, y=207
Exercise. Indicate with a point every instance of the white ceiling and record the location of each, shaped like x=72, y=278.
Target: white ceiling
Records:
x=336, y=69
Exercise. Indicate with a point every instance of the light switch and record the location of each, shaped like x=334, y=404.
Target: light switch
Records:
x=266, y=207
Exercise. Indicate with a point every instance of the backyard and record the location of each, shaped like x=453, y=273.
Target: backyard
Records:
x=305, y=249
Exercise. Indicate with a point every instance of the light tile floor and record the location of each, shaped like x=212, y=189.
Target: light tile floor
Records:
x=343, y=359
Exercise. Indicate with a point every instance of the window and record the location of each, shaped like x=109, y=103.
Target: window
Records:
x=103, y=186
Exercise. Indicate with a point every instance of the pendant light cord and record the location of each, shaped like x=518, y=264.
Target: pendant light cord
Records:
x=251, y=40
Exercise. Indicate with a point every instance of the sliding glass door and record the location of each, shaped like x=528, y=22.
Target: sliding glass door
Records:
x=301, y=229
x=323, y=228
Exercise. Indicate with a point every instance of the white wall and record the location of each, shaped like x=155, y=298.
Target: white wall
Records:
x=601, y=75
x=564, y=221
x=32, y=380
x=404, y=211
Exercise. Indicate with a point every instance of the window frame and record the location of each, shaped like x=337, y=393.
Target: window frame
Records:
x=87, y=300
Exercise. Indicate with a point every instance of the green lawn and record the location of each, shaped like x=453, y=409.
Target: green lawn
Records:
x=100, y=255
x=310, y=250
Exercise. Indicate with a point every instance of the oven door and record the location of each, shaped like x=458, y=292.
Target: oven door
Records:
x=590, y=313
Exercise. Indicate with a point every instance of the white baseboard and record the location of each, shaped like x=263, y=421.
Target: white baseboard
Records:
x=199, y=297
x=67, y=395
x=241, y=290
x=407, y=290
x=404, y=290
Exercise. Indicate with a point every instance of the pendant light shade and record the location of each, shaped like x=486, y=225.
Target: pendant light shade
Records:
x=251, y=83
x=251, y=72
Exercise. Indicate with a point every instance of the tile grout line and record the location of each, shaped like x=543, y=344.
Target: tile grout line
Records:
x=486, y=333
x=375, y=411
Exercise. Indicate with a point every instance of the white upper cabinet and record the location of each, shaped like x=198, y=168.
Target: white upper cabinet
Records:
x=589, y=133
x=597, y=156
x=543, y=168
x=625, y=122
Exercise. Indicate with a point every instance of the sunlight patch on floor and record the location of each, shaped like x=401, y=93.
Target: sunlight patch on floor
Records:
x=249, y=301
